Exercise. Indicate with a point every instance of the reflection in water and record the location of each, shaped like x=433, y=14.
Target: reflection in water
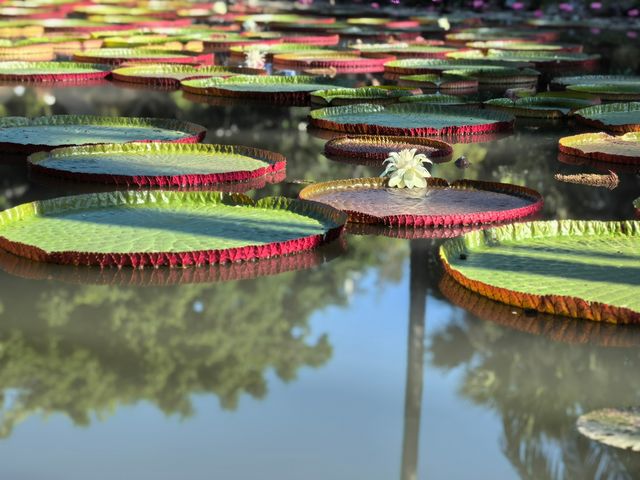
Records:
x=539, y=388
x=85, y=349
x=82, y=345
x=419, y=282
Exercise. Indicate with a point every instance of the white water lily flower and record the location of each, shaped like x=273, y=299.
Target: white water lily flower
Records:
x=255, y=59
x=250, y=26
x=405, y=169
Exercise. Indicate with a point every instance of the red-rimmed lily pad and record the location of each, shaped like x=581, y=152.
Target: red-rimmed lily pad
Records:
x=563, y=82
x=538, y=107
x=523, y=46
x=615, y=117
x=144, y=277
x=553, y=327
x=374, y=149
x=418, y=66
x=274, y=89
x=20, y=134
x=445, y=83
x=610, y=91
x=464, y=202
x=580, y=269
x=411, y=119
x=348, y=96
x=616, y=427
x=170, y=75
x=152, y=228
x=342, y=62
x=545, y=61
x=602, y=146
x=158, y=164
x=240, y=52
x=51, y=71
x=115, y=56
x=407, y=50
x=436, y=99
x=497, y=75
x=224, y=44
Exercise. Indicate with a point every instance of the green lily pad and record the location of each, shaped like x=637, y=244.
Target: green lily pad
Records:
x=433, y=81
x=496, y=75
x=269, y=50
x=617, y=427
x=522, y=46
x=580, y=269
x=564, y=82
x=403, y=50
x=158, y=164
x=538, y=107
x=19, y=134
x=434, y=99
x=51, y=71
x=152, y=228
x=276, y=89
x=416, y=66
x=344, y=96
x=552, y=327
x=172, y=74
x=603, y=147
x=341, y=61
x=539, y=59
x=610, y=91
x=616, y=117
x=410, y=119
x=121, y=55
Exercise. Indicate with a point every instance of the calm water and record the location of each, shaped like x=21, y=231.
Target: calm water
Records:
x=356, y=361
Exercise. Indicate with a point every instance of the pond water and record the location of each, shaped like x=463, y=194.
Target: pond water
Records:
x=359, y=360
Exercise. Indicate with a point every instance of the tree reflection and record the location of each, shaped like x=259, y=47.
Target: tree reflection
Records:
x=539, y=388
x=85, y=350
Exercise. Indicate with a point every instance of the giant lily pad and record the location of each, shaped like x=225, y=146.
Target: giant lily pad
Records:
x=117, y=56
x=269, y=50
x=563, y=82
x=464, y=202
x=435, y=99
x=145, y=277
x=610, y=91
x=580, y=269
x=552, y=327
x=410, y=119
x=224, y=44
x=417, y=66
x=548, y=61
x=51, y=71
x=404, y=50
x=445, y=83
x=171, y=75
x=347, y=96
x=615, y=117
x=374, y=149
x=604, y=147
x=153, y=228
x=19, y=134
x=538, y=107
x=275, y=89
x=497, y=75
x=617, y=427
x=342, y=62
x=523, y=46
x=158, y=164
